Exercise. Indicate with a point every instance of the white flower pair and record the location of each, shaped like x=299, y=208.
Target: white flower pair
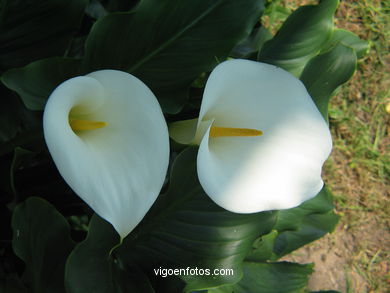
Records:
x=262, y=141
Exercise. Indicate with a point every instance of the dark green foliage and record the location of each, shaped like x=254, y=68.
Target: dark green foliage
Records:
x=171, y=45
x=41, y=238
x=169, y=55
x=325, y=72
x=301, y=37
x=36, y=29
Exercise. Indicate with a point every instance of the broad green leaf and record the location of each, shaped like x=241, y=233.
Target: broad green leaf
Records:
x=119, y=5
x=313, y=227
x=20, y=155
x=33, y=137
x=95, y=9
x=249, y=48
x=10, y=122
x=349, y=39
x=189, y=230
x=10, y=282
x=36, y=29
x=12, y=285
x=291, y=219
x=222, y=289
x=167, y=284
x=273, y=277
x=262, y=248
x=35, y=82
x=301, y=37
x=295, y=228
x=91, y=268
x=88, y=266
x=169, y=43
x=15, y=118
x=304, y=224
x=325, y=72
x=41, y=238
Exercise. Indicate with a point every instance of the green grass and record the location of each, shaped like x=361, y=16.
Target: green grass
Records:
x=359, y=168
x=360, y=126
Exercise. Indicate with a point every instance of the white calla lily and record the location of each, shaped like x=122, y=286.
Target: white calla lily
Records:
x=109, y=140
x=262, y=140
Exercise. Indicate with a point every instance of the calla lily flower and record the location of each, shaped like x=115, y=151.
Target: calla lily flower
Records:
x=262, y=140
x=109, y=140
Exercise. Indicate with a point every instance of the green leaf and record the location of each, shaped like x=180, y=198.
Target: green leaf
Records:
x=41, y=238
x=10, y=122
x=35, y=82
x=249, y=48
x=29, y=138
x=296, y=227
x=325, y=72
x=15, y=118
x=349, y=39
x=301, y=37
x=169, y=48
x=222, y=289
x=119, y=5
x=36, y=29
x=95, y=9
x=20, y=155
x=313, y=227
x=304, y=224
x=262, y=248
x=291, y=219
x=12, y=285
x=91, y=267
x=273, y=277
x=189, y=230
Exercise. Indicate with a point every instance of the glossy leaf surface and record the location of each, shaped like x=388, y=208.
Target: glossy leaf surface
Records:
x=41, y=238
x=36, y=29
x=268, y=277
x=301, y=37
x=169, y=55
x=36, y=81
x=304, y=224
x=10, y=120
x=324, y=73
x=91, y=267
x=349, y=39
x=282, y=277
x=191, y=231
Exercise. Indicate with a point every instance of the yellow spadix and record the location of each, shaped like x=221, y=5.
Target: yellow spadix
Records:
x=78, y=125
x=216, y=131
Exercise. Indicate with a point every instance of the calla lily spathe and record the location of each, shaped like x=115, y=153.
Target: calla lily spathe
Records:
x=109, y=140
x=262, y=140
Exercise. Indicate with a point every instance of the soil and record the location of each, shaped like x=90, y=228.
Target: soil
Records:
x=336, y=258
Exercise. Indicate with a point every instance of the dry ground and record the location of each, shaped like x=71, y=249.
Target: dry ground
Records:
x=355, y=257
